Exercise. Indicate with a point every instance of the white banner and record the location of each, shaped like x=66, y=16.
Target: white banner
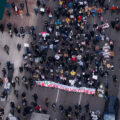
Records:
x=65, y=87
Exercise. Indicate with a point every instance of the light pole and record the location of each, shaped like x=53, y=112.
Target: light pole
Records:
x=27, y=14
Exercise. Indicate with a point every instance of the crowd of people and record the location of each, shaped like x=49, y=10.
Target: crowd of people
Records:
x=70, y=112
x=71, y=50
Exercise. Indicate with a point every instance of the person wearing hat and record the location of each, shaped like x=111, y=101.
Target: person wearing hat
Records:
x=73, y=73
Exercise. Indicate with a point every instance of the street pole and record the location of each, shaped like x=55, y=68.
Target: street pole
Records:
x=27, y=14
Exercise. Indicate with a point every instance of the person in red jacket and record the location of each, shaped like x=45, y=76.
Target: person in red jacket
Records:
x=74, y=58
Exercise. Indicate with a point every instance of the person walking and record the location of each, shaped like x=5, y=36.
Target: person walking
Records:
x=13, y=84
x=17, y=80
x=4, y=72
x=18, y=109
x=35, y=96
x=6, y=49
x=47, y=102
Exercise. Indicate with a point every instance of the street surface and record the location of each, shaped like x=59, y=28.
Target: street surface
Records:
x=56, y=96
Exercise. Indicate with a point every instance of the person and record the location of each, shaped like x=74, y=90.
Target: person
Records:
x=38, y=3
x=38, y=108
x=69, y=116
x=24, y=78
x=114, y=77
x=21, y=6
x=87, y=107
x=11, y=33
x=13, y=5
x=2, y=28
x=35, y=96
x=26, y=84
x=16, y=93
x=17, y=80
x=1, y=111
x=24, y=102
x=80, y=108
x=6, y=48
x=54, y=107
x=21, y=70
x=7, y=118
x=83, y=117
x=1, y=82
x=13, y=84
x=23, y=95
x=61, y=108
x=44, y=110
x=12, y=104
x=36, y=10
x=4, y=72
x=19, y=46
x=8, y=13
x=76, y=113
x=47, y=102
x=18, y=109
x=16, y=31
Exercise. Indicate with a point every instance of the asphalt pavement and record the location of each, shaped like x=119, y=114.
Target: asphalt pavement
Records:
x=65, y=98
x=55, y=95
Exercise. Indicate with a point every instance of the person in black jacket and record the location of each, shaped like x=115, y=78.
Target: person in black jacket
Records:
x=38, y=3
x=35, y=96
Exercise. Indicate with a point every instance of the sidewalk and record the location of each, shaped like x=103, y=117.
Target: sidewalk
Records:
x=16, y=58
x=18, y=20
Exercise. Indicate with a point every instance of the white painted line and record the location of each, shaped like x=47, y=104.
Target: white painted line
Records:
x=80, y=98
x=57, y=95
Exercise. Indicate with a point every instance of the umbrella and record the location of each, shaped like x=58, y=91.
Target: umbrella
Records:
x=67, y=20
x=113, y=8
x=44, y=34
x=60, y=2
x=58, y=22
x=99, y=10
x=93, y=11
x=21, y=12
x=70, y=11
x=57, y=27
x=73, y=73
x=87, y=9
x=61, y=71
x=74, y=58
x=108, y=65
x=79, y=18
x=70, y=4
x=8, y=5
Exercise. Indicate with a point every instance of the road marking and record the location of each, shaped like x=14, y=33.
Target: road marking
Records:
x=57, y=95
x=80, y=98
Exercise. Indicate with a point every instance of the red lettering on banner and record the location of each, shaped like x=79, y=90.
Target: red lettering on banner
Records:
x=6, y=80
x=92, y=92
x=56, y=86
x=38, y=84
x=49, y=85
x=82, y=91
x=77, y=90
x=53, y=85
x=43, y=84
x=67, y=89
x=86, y=91
x=62, y=88
x=73, y=90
